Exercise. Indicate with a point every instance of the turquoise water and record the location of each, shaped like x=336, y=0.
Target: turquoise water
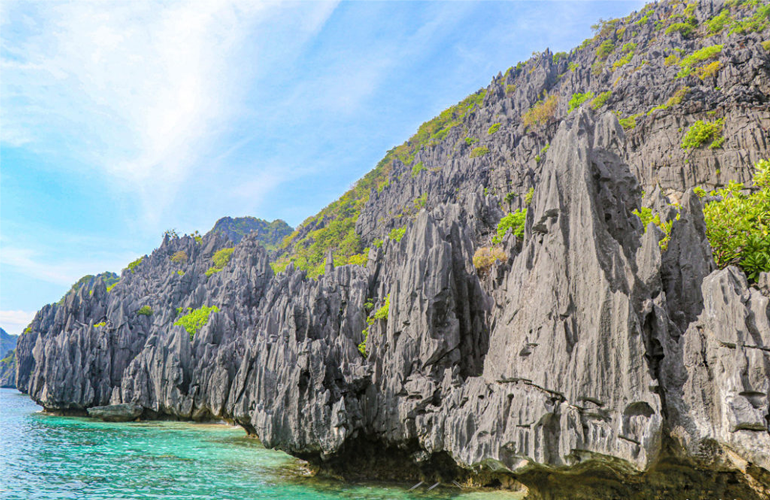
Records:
x=48, y=457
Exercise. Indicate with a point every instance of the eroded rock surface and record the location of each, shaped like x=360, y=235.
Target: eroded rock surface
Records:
x=588, y=362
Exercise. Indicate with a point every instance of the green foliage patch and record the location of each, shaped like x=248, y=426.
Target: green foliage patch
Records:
x=738, y=225
x=133, y=265
x=417, y=168
x=397, y=233
x=600, y=100
x=144, y=311
x=577, y=99
x=513, y=222
x=480, y=151
x=702, y=132
x=494, y=128
x=687, y=64
x=220, y=259
x=195, y=319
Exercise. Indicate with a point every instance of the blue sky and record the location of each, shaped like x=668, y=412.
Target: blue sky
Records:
x=119, y=120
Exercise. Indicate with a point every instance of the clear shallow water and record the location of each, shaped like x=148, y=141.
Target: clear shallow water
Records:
x=48, y=457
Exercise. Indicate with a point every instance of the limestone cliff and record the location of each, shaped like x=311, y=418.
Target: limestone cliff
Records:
x=590, y=362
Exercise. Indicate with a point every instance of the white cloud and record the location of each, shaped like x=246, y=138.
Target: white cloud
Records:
x=137, y=90
x=14, y=322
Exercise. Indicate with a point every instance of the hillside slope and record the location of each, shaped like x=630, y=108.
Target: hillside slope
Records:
x=270, y=234
x=588, y=357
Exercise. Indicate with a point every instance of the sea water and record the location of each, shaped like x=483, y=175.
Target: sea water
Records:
x=49, y=457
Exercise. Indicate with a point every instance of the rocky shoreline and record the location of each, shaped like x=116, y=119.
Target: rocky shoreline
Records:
x=589, y=362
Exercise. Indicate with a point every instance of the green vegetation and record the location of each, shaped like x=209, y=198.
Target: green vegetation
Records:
x=195, y=319
x=685, y=29
x=480, y=151
x=485, y=257
x=573, y=66
x=180, y=272
x=334, y=228
x=647, y=216
x=509, y=197
x=110, y=287
x=417, y=168
x=629, y=123
x=397, y=233
x=528, y=197
x=605, y=49
x=600, y=100
x=221, y=258
x=708, y=71
x=510, y=88
x=542, y=112
x=144, y=311
x=718, y=23
x=671, y=60
x=269, y=234
x=702, y=132
x=382, y=312
x=421, y=201
x=133, y=265
x=471, y=140
x=672, y=101
x=100, y=324
x=756, y=23
x=766, y=45
x=688, y=63
x=494, y=128
x=597, y=67
x=513, y=222
x=737, y=224
x=559, y=55
x=179, y=257
x=577, y=99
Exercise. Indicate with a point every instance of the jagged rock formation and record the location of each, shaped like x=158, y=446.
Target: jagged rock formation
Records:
x=270, y=234
x=7, y=359
x=592, y=363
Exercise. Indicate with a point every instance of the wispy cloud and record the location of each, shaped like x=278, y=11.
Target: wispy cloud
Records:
x=14, y=322
x=138, y=91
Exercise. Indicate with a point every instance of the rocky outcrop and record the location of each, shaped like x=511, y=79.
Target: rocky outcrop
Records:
x=590, y=361
x=7, y=359
x=116, y=413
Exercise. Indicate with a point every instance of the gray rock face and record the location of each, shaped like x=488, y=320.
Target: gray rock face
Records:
x=588, y=362
x=116, y=413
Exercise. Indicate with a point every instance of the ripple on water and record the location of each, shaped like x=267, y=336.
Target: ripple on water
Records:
x=49, y=457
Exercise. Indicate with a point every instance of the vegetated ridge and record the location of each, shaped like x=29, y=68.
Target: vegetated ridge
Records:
x=559, y=285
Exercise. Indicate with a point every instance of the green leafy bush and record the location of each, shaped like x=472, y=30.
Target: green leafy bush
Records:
x=542, y=112
x=494, y=128
x=382, y=312
x=417, y=168
x=110, y=287
x=573, y=66
x=577, y=99
x=646, y=215
x=718, y=23
x=529, y=195
x=685, y=29
x=605, y=49
x=144, y=311
x=480, y=151
x=702, y=132
x=629, y=123
x=397, y=233
x=601, y=100
x=513, y=222
x=133, y=265
x=100, y=324
x=195, y=319
x=738, y=226
x=766, y=45
x=559, y=55
x=220, y=259
x=510, y=88
x=471, y=140
x=687, y=64
x=179, y=257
